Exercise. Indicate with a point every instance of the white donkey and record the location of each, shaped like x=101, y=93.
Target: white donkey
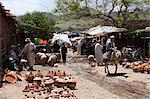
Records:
x=115, y=58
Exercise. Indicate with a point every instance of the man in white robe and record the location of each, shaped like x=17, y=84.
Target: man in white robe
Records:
x=98, y=53
x=29, y=51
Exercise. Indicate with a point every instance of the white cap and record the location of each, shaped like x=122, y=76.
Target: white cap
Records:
x=112, y=36
x=27, y=40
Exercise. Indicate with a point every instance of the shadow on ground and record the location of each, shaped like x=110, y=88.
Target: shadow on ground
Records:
x=118, y=74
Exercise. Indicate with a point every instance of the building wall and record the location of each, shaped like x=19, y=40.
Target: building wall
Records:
x=7, y=35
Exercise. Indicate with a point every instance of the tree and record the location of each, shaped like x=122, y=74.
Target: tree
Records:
x=37, y=24
x=118, y=12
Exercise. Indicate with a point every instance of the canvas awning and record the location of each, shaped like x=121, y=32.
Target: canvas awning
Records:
x=104, y=29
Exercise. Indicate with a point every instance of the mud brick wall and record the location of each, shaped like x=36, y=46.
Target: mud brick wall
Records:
x=7, y=32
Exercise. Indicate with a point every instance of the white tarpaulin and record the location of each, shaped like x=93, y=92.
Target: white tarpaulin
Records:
x=61, y=38
x=104, y=29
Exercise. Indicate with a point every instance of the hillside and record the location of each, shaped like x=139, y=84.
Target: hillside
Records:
x=69, y=21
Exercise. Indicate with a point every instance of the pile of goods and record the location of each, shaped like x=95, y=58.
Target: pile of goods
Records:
x=46, y=58
x=138, y=66
x=54, y=85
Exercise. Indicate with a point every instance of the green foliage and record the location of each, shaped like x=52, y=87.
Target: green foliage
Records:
x=37, y=22
x=118, y=11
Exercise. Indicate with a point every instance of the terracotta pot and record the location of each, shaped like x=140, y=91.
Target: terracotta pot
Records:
x=71, y=85
x=67, y=94
x=60, y=84
x=50, y=74
x=38, y=74
x=49, y=83
x=30, y=77
x=11, y=78
x=26, y=89
x=37, y=80
x=58, y=73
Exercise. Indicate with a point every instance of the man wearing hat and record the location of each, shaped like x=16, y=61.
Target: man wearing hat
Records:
x=29, y=51
x=110, y=46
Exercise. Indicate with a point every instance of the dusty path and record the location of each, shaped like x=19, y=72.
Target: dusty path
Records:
x=133, y=90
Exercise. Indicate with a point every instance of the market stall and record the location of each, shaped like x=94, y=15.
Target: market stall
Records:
x=145, y=36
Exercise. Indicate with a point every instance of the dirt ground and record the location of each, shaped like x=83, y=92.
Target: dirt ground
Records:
x=92, y=82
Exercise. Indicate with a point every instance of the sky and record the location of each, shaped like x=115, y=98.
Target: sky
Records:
x=20, y=7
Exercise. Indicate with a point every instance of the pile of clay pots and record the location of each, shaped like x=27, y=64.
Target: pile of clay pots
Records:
x=138, y=66
x=54, y=85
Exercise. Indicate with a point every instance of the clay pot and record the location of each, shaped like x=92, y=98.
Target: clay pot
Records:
x=55, y=95
x=49, y=83
x=37, y=80
x=135, y=63
x=136, y=69
x=38, y=74
x=63, y=74
x=39, y=96
x=32, y=87
x=67, y=94
x=71, y=83
x=147, y=69
x=61, y=83
x=50, y=74
x=26, y=89
x=10, y=77
x=29, y=77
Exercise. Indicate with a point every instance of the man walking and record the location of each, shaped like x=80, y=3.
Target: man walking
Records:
x=98, y=53
x=29, y=51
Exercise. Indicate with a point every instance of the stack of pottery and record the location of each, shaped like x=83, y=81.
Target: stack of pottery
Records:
x=62, y=83
x=33, y=87
x=138, y=66
x=29, y=77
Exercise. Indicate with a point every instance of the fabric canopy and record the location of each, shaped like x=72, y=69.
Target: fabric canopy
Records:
x=61, y=38
x=104, y=29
